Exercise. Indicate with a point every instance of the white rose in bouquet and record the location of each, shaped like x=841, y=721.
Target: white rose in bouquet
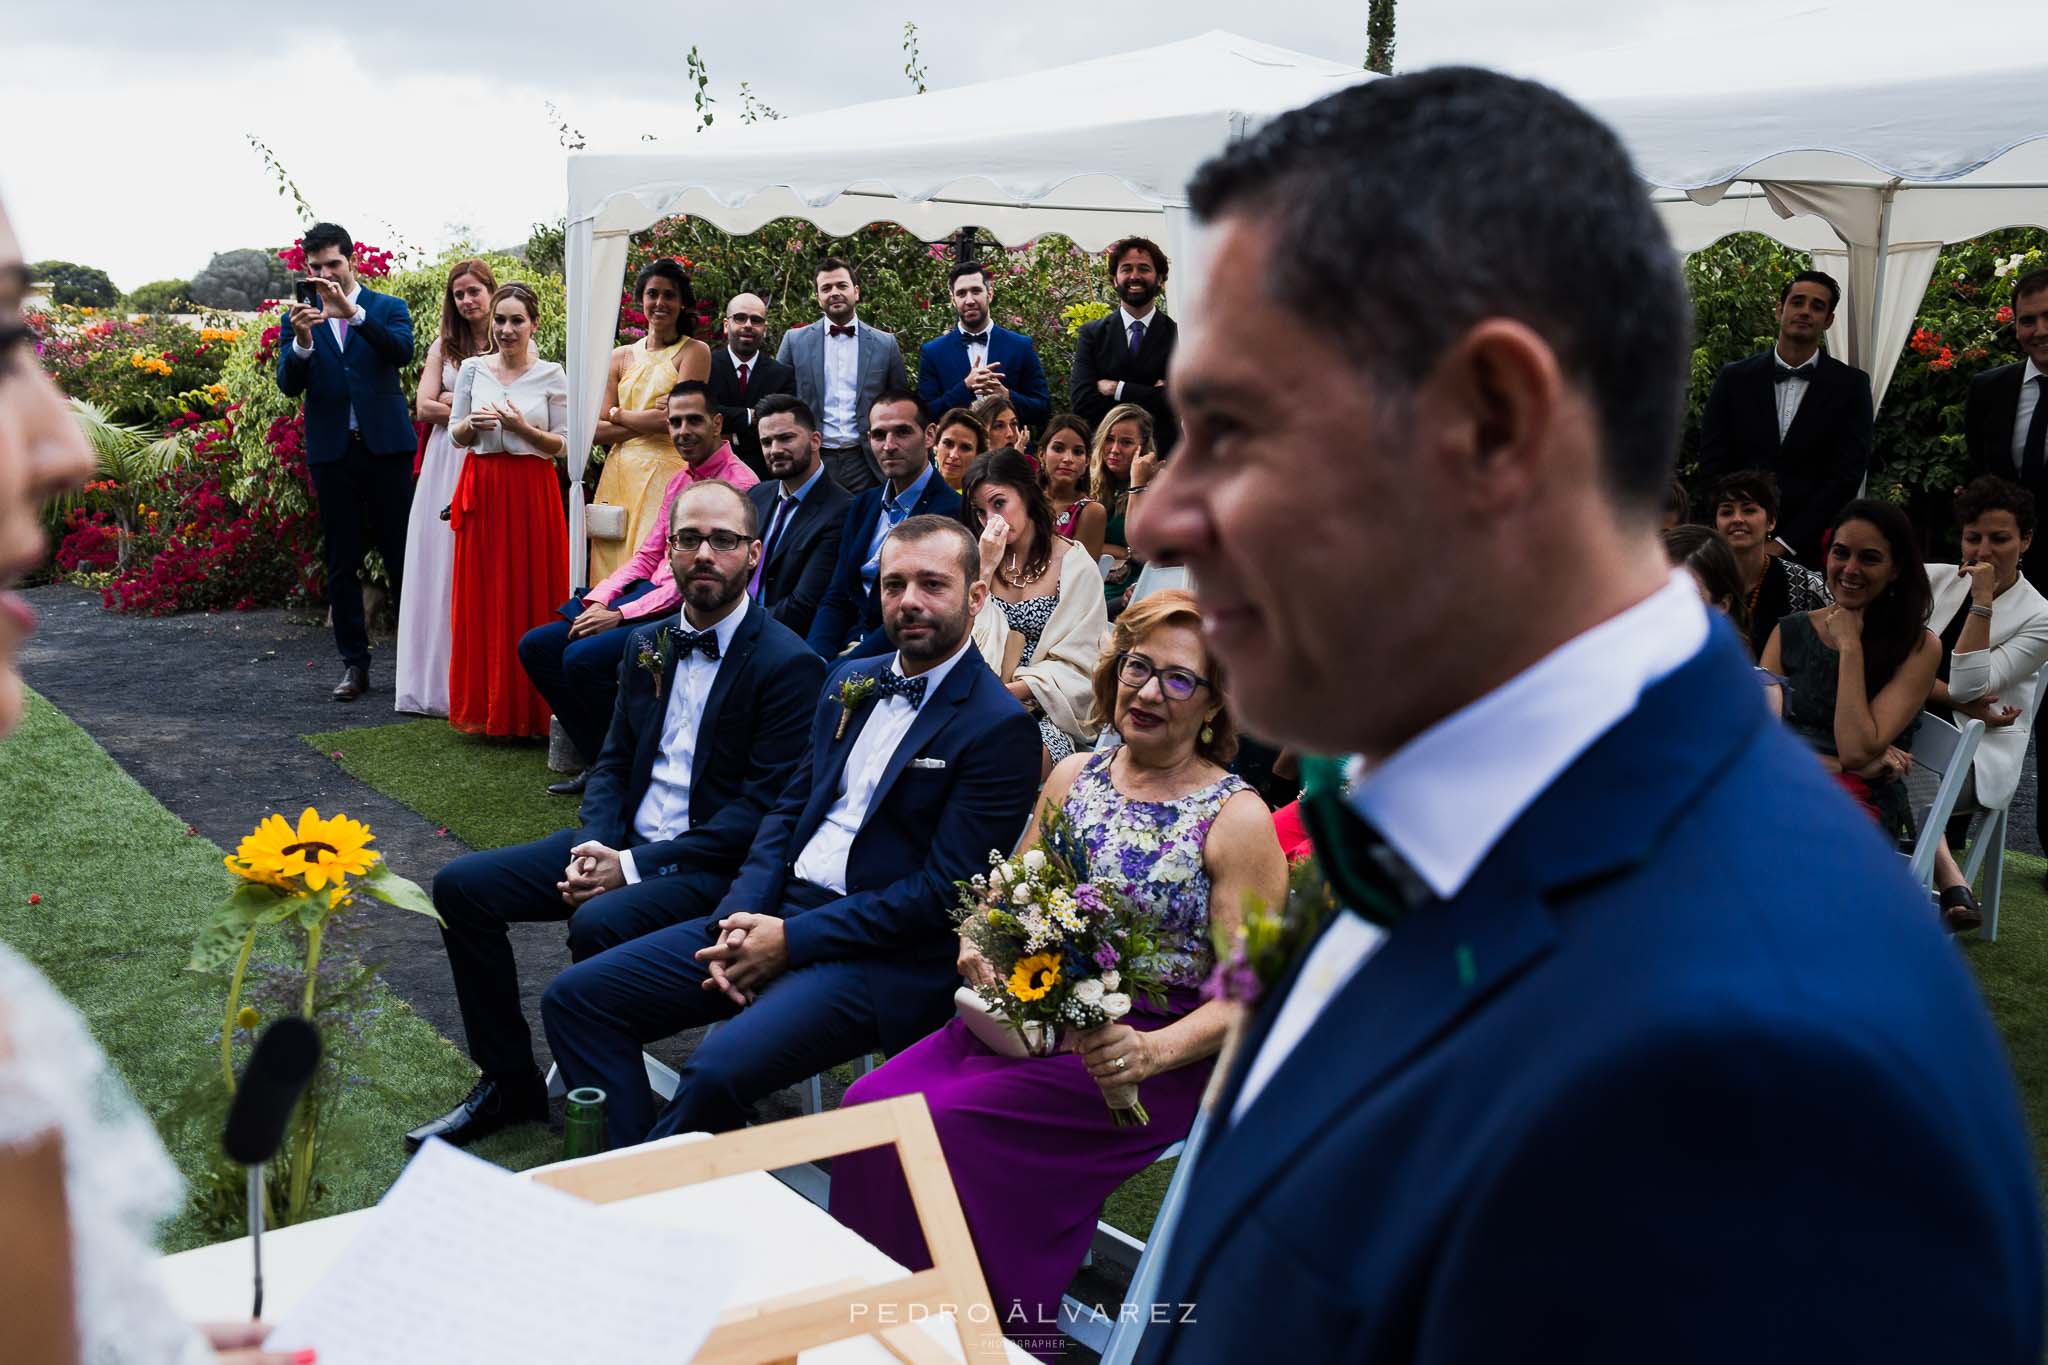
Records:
x=1034, y=861
x=1089, y=992
x=1116, y=1004
x=1111, y=980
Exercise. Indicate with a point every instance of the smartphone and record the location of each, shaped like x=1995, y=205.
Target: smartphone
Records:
x=309, y=294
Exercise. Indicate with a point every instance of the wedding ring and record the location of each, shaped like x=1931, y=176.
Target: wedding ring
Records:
x=1122, y=1062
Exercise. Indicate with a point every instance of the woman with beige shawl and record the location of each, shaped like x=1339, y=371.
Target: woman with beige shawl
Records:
x=1044, y=623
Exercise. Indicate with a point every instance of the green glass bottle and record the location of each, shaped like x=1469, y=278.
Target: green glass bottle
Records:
x=583, y=1123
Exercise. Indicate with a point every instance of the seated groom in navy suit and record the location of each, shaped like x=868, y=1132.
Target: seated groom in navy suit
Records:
x=837, y=938
x=978, y=359
x=851, y=612
x=1630, y=1039
x=711, y=722
x=344, y=356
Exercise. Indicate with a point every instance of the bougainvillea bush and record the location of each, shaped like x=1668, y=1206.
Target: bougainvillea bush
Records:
x=133, y=371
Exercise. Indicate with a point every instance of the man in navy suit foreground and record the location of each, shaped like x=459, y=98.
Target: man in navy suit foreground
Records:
x=344, y=356
x=712, y=720
x=837, y=938
x=1631, y=1040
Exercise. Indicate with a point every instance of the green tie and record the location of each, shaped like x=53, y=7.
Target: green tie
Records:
x=1354, y=856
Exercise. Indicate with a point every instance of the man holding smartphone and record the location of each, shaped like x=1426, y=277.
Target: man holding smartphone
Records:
x=346, y=349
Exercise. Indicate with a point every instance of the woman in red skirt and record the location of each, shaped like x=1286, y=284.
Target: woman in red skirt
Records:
x=511, y=412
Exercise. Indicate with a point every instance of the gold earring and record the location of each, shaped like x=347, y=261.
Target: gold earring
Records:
x=1208, y=733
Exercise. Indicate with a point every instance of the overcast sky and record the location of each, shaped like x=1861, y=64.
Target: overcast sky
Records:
x=122, y=123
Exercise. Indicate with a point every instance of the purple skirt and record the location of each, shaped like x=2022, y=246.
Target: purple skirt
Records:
x=1033, y=1153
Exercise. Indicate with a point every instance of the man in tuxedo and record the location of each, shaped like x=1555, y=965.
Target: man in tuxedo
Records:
x=837, y=937
x=851, y=612
x=344, y=357
x=741, y=376
x=841, y=363
x=1625, y=1011
x=712, y=721
x=2005, y=419
x=1122, y=358
x=802, y=512
x=978, y=359
x=574, y=660
x=1797, y=412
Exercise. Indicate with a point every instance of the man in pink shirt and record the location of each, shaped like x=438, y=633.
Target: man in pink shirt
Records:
x=574, y=662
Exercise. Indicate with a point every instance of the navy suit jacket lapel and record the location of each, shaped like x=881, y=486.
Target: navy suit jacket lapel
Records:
x=1445, y=961
x=835, y=751
x=648, y=741
x=931, y=718
x=730, y=667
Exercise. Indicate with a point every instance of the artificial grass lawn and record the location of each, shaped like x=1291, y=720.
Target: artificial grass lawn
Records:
x=123, y=891
x=488, y=793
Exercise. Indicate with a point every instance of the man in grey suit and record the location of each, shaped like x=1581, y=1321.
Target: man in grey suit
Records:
x=840, y=366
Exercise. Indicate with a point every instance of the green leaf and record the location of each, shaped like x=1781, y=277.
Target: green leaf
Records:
x=251, y=906
x=392, y=889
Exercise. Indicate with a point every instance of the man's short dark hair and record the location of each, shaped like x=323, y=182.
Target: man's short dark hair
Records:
x=889, y=397
x=1120, y=249
x=1989, y=493
x=778, y=404
x=928, y=524
x=1759, y=486
x=684, y=388
x=1406, y=210
x=750, y=515
x=320, y=236
x=2033, y=282
x=962, y=269
x=1819, y=277
x=832, y=263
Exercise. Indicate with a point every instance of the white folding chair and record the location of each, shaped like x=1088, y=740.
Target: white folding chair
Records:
x=1117, y=1342
x=1152, y=579
x=1988, y=830
x=661, y=1079
x=1947, y=752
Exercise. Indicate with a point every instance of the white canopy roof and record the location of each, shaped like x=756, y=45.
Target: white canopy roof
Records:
x=1863, y=177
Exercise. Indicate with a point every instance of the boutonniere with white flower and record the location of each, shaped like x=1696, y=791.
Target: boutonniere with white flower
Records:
x=853, y=694
x=657, y=654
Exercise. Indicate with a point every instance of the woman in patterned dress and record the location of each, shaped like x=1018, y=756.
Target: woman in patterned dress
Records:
x=1030, y=1143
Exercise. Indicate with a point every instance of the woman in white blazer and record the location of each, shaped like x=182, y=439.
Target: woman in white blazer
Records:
x=1994, y=630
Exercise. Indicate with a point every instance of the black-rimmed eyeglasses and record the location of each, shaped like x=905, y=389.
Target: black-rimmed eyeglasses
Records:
x=725, y=542
x=1135, y=670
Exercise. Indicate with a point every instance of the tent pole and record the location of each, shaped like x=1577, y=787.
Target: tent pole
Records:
x=1868, y=341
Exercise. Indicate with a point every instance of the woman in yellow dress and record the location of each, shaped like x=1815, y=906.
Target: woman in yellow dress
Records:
x=633, y=418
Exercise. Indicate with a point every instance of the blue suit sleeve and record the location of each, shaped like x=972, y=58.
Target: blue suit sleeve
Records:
x=932, y=390
x=986, y=808
x=291, y=366
x=1629, y=1222
x=1028, y=388
x=605, y=817
x=391, y=335
x=799, y=606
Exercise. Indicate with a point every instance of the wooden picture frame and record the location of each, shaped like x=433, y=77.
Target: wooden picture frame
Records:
x=777, y=1329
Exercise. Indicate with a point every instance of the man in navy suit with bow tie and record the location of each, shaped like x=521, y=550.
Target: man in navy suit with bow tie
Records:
x=711, y=722
x=1629, y=1038
x=344, y=356
x=837, y=938
x=978, y=359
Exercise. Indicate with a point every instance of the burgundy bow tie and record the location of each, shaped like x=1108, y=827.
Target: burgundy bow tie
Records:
x=839, y=331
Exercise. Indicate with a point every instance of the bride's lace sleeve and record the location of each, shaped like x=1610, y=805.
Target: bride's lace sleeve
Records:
x=119, y=1184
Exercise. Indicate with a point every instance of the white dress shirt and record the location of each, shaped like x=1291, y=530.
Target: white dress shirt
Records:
x=2030, y=396
x=977, y=345
x=1792, y=392
x=823, y=860
x=340, y=326
x=842, y=387
x=1127, y=317
x=1445, y=798
x=664, y=811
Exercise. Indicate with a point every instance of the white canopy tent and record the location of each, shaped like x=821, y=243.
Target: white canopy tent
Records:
x=1873, y=180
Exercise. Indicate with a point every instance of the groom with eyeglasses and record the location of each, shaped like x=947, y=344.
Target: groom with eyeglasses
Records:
x=712, y=720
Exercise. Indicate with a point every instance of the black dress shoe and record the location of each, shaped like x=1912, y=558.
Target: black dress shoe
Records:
x=495, y=1102
x=572, y=786
x=355, y=680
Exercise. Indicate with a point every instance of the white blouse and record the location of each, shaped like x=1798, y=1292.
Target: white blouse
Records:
x=540, y=394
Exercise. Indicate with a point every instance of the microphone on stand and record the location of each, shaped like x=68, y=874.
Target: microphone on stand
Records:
x=278, y=1071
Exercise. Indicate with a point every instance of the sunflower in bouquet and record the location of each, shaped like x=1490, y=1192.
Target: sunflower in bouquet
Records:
x=1068, y=954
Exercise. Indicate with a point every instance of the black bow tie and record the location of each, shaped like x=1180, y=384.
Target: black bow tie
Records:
x=839, y=331
x=894, y=684
x=690, y=642
x=1784, y=372
x=1369, y=875
x=975, y=338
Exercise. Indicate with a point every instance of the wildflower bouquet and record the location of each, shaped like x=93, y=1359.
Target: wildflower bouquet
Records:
x=1068, y=954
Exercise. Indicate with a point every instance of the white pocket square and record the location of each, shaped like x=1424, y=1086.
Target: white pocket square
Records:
x=927, y=762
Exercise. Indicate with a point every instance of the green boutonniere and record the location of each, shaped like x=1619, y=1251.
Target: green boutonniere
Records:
x=853, y=694
x=657, y=654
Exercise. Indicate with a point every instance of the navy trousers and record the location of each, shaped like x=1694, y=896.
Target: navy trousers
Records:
x=580, y=678
x=480, y=895
x=603, y=1010
x=364, y=498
